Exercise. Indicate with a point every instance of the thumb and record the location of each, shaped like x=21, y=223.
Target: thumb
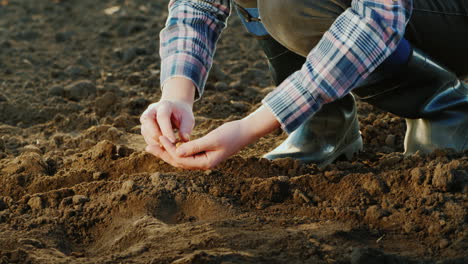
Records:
x=194, y=147
x=186, y=126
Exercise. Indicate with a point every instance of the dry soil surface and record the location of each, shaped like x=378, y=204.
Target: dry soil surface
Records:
x=76, y=187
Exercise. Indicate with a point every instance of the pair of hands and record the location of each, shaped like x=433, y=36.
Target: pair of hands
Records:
x=174, y=110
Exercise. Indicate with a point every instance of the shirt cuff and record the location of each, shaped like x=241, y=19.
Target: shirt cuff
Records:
x=292, y=103
x=184, y=65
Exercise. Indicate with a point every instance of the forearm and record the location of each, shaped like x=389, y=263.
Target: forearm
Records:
x=179, y=88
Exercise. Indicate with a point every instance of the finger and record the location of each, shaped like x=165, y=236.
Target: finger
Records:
x=149, y=127
x=164, y=120
x=167, y=145
x=186, y=127
x=196, y=146
x=155, y=150
x=160, y=153
x=151, y=134
x=198, y=161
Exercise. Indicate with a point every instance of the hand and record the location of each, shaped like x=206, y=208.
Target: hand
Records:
x=206, y=152
x=174, y=110
x=210, y=150
x=162, y=117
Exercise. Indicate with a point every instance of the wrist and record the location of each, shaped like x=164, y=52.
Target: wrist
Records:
x=179, y=89
x=260, y=123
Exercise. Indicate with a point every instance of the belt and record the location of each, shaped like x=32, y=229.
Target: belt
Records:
x=250, y=17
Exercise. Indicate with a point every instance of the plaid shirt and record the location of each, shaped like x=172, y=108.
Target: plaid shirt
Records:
x=359, y=40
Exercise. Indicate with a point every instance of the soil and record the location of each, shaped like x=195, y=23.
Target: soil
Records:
x=77, y=187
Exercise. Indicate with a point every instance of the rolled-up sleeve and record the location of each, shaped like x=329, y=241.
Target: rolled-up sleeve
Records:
x=358, y=41
x=188, y=40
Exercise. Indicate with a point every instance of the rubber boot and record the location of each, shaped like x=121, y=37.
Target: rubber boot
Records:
x=431, y=98
x=330, y=133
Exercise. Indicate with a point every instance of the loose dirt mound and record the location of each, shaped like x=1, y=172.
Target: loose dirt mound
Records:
x=76, y=187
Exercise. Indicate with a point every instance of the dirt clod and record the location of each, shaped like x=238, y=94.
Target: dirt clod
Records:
x=80, y=90
x=79, y=199
x=128, y=187
x=36, y=203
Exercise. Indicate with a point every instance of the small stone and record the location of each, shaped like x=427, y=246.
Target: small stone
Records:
x=80, y=90
x=32, y=148
x=443, y=243
x=156, y=179
x=127, y=187
x=282, y=178
x=80, y=199
x=56, y=91
x=390, y=140
x=36, y=203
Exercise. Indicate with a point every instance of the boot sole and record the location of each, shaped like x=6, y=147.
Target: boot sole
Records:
x=349, y=151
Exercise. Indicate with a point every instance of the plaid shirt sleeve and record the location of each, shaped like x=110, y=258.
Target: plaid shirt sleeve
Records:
x=357, y=42
x=188, y=40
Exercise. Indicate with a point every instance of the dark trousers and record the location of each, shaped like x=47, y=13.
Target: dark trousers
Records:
x=439, y=28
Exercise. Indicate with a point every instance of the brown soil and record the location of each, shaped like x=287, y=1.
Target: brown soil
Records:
x=76, y=187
